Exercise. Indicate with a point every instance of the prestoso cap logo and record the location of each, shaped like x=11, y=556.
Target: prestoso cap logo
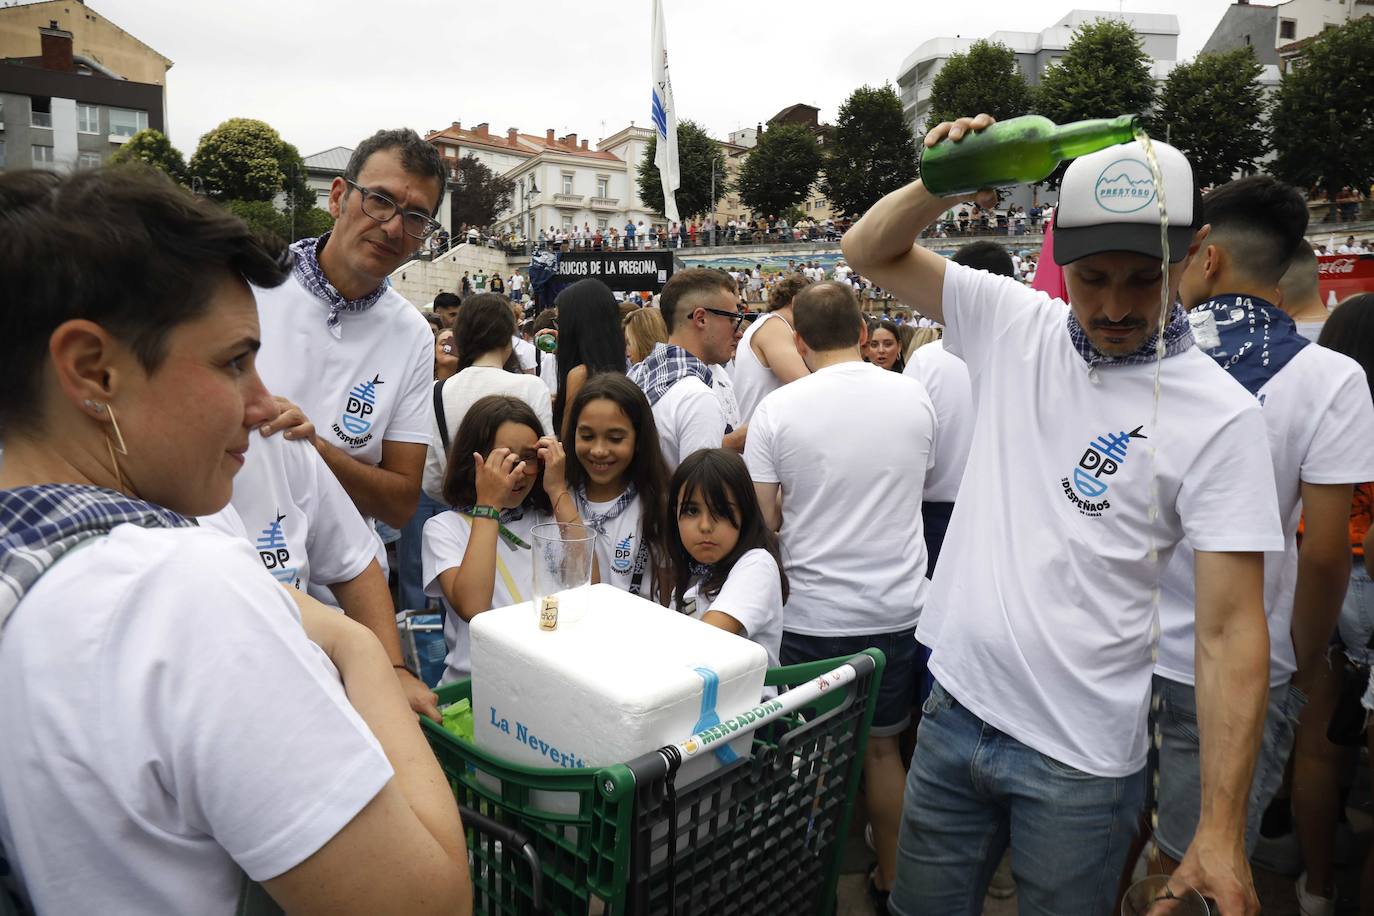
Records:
x=1125, y=186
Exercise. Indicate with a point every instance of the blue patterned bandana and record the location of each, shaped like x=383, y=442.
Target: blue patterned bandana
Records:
x=1257, y=338
x=1178, y=337
x=663, y=368
x=598, y=522
x=306, y=258
x=40, y=524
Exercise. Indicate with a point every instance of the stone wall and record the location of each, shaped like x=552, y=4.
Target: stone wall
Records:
x=421, y=280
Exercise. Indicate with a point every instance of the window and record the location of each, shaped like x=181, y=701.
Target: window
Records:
x=125, y=122
x=42, y=157
x=88, y=119
x=567, y=183
x=88, y=161
x=448, y=151
x=602, y=184
x=567, y=224
x=601, y=225
x=1288, y=28
x=40, y=111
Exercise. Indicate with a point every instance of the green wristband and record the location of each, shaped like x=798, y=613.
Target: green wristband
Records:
x=486, y=512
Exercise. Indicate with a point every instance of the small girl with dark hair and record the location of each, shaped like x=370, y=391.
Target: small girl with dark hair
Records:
x=727, y=568
x=504, y=477
x=617, y=475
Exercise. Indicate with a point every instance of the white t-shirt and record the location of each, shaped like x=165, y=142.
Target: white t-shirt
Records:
x=753, y=380
x=1321, y=430
x=1041, y=611
x=688, y=417
x=620, y=549
x=444, y=543
x=946, y=381
x=724, y=387
x=368, y=385
x=1311, y=329
x=548, y=372
x=752, y=594
x=459, y=394
x=295, y=513
x=525, y=353
x=185, y=730
x=852, y=540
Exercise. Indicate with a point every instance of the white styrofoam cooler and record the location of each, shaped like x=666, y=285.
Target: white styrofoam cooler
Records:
x=617, y=679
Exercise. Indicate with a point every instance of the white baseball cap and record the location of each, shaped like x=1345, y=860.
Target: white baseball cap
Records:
x=1108, y=202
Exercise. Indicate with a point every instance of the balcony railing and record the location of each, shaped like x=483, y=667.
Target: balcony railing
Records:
x=40, y=119
x=605, y=203
x=569, y=198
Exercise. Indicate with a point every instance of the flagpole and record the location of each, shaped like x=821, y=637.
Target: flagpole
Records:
x=664, y=116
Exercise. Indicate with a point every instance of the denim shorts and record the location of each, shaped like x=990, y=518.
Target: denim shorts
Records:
x=1180, y=762
x=902, y=675
x=1356, y=623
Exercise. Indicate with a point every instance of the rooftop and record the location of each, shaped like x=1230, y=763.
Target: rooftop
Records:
x=515, y=143
x=334, y=159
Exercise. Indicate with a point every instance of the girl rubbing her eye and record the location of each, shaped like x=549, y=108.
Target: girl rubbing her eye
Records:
x=503, y=478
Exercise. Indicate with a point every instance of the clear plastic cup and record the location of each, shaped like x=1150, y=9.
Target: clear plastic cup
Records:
x=1158, y=895
x=562, y=559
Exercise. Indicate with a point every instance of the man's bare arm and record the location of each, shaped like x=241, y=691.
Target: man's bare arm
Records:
x=881, y=246
x=1232, y=677
x=1323, y=573
x=770, y=501
x=389, y=491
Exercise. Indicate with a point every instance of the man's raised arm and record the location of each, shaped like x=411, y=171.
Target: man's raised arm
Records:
x=881, y=246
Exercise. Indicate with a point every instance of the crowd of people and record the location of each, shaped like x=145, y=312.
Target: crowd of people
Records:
x=1044, y=513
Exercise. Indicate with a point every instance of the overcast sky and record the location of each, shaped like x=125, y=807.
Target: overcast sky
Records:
x=328, y=72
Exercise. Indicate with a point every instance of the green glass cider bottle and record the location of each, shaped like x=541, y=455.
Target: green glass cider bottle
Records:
x=1017, y=151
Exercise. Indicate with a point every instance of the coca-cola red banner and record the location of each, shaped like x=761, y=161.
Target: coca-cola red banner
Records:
x=1342, y=275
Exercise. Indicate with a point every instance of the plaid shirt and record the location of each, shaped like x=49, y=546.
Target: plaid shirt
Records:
x=40, y=524
x=306, y=266
x=663, y=368
x=1178, y=337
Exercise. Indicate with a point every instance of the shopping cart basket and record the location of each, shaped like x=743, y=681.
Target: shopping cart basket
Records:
x=761, y=835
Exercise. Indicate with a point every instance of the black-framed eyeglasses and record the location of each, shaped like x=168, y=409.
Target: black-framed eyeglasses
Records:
x=377, y=205
x=737, y=317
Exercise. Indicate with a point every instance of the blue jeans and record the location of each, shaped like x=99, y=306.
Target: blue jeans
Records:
x=973, y=790
x=411, y=591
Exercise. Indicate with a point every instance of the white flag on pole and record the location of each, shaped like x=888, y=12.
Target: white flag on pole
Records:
x=665, y=117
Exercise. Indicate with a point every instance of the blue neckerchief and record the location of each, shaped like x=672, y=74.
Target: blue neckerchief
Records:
x=1257, y=338
x=40, y=524
x=1178, y=337
x=306, y=266
x=664, y=367
x=598, y=522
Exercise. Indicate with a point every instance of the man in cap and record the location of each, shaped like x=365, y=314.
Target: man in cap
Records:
x=1034, y=734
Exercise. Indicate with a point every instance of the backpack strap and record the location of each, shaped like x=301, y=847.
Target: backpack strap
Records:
x=439, y=413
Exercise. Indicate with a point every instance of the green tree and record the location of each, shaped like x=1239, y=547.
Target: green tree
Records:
x=696, y=154
x=1323, y=120
x=153, y=148
x=873, y=151
x=279, y=228
x=243, y=159
x=1104, y=73
x=985, y=78
x=780, y=170
x=1213, y=109
x=477, y=195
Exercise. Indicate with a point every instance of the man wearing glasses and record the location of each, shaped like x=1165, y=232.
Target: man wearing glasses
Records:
x=350, y=355
x=702, y=311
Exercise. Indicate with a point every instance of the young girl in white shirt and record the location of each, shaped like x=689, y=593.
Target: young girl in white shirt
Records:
x=727, y=570
x=617, y=476
x=503, y=478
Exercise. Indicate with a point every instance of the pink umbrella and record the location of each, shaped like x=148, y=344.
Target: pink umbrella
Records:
x=1049, y=276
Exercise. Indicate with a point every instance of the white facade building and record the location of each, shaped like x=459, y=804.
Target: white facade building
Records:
x=1034, y=52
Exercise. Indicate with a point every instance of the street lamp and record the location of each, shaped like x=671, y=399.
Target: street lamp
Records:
x=525, y=195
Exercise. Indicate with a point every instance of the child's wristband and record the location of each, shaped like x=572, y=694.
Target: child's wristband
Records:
x=490, y=512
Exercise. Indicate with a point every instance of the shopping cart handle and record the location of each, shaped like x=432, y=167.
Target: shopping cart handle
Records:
x=510, y=838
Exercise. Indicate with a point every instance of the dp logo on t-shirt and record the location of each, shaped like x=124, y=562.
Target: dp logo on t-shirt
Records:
x=275, y=553
x=1103, y=457
x=357, y=417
